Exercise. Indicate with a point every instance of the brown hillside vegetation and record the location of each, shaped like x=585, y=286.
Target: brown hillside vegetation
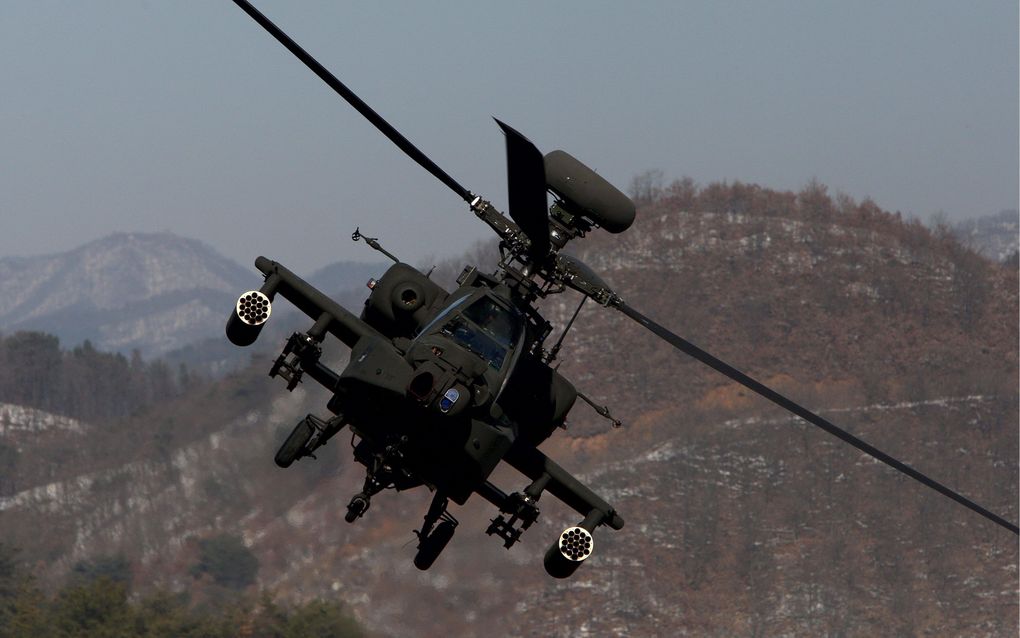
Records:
x=895, y=332
x=741, y=520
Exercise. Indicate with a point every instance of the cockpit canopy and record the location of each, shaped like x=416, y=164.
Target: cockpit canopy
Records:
x=487, y=329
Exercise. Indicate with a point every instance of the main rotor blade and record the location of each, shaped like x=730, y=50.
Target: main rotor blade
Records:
x=410, y=149
x=528, y=206
x=809, y=416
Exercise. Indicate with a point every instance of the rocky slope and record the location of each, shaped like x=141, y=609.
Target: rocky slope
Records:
x=740, y=519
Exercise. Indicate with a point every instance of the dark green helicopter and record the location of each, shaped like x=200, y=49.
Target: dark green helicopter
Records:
x=443, y=386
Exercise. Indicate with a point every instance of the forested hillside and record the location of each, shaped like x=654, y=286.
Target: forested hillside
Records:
x=97, y=601
x=741, y=520
x=82, y=382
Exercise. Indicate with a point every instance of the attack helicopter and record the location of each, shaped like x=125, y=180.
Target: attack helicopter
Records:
x=442, y=386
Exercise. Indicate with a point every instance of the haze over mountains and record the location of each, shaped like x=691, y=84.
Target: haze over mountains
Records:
x=740, y=519
x=151, y=292
x=159, y=293
x=994, y=236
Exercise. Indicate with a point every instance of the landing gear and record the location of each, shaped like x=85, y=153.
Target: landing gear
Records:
x=435, y=533
x=432, y=545
x=307, y=436
x=363, y=500
x=295, y=443
x=384, y=469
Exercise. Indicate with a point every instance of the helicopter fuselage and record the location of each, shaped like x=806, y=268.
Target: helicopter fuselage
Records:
x=440, y=387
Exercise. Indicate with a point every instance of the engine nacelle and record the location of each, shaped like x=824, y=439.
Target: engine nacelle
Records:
x=251, y=312
x=571, y=549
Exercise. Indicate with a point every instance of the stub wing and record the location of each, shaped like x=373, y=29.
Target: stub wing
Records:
x=329, y=316
x=563, y=485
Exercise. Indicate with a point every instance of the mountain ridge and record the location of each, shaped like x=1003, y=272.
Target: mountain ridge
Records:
x=154, y=292
x=740, y=518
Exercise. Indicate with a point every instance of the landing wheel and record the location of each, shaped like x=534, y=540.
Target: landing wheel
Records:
x=356, y=508
x=295, y=443
x=430, y=547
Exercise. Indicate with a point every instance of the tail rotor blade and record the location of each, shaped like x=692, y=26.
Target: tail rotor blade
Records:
x=525, y=167
x=724, y=368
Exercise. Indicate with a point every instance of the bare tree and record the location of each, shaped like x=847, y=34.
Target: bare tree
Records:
x=646, y=187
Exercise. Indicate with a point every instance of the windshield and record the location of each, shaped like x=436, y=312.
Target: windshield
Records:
x=486, y=329
x=442, y=315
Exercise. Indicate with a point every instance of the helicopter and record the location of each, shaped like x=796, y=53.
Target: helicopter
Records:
x=443, y=386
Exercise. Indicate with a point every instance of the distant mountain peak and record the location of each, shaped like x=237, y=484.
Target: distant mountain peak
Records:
x=151, y=291
x=120, y=290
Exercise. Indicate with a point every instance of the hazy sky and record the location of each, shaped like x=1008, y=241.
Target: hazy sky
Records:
x=186, y=116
